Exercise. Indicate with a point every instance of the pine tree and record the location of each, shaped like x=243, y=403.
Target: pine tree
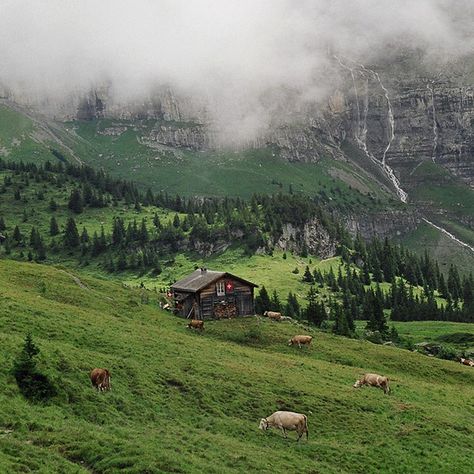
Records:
x=366, y=274
x=143, y=233
x=118, y=232
x=275, y=304
x=40, y=249
x=156, y=222
x=292, y=308
x=314, y=311
x=17, y=237
x=71, y=235
x=31, y=382
x=34, y=238
x=84, y=236
x=374, y=307
x=176, y=221
x=442, y=287
x=53, y=205
x=454, y=283
x=262, y=301
x=341, y=327
x=308, y=276
x=2, y=224
x=53, y=227
x=75, y=201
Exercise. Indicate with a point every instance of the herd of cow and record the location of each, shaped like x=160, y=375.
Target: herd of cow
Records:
x=283, y=420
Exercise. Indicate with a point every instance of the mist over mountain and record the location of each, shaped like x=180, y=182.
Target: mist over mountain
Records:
x=245, y=63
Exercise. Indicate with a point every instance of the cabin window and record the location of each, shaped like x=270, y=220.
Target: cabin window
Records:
x=220, y=287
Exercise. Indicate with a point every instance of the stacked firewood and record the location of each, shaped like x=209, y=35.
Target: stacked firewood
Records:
x=222, y=311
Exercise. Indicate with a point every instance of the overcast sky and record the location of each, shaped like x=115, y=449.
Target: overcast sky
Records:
x=235, y=51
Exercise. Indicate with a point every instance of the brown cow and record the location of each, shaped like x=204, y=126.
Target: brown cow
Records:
x=468, y=362
x=374, y=380
x=100, y=379
x=286, y=420
x=300, y=340
x=196, y=324
x=273, y=315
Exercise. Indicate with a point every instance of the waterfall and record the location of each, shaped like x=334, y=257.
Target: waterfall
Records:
x=361, y=135
x=435, y=125
x=451, y=236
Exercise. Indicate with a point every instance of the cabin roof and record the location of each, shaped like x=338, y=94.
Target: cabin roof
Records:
x=201, y=278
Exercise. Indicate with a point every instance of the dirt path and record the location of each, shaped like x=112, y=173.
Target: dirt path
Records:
x=76, y=280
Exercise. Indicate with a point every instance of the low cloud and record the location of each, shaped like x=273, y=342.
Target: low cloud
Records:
x=243, y=58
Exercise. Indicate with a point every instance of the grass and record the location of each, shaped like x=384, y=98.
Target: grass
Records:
x=272, y=271
x=440, y=246
x=437, y=187
x=20, y=140
x=458, y=335
x=219, y=173
x=185, y=402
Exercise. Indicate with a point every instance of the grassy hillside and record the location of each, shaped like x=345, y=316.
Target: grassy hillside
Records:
x=440, y=246
x=186, y=402
x=125, y=155
x=19, y=138
x=217, y=173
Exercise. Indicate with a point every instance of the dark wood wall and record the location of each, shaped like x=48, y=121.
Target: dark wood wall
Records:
x=207, y=300
x=241, y=297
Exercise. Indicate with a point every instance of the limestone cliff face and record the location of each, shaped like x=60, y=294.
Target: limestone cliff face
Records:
x=413, y=120
x=382, y=224
x=312, y=235
x=191, y=137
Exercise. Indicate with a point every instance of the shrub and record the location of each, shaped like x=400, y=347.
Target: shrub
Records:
x=447, y=353
x=33, y=384
x=252, y=335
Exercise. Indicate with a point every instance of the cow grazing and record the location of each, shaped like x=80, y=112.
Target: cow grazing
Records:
x=100, y=379
x=300, y=340
x=286, y=420
x=468, y=362
x=273, y=315
x=196, y=324
x=374, y=380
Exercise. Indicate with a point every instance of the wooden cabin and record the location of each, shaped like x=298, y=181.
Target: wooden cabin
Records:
x=207, y=294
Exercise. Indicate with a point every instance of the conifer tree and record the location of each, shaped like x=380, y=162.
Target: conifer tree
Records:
x=308, y=276
x=176, y=221
x=118, y=232
x=374, y=307
x=156, y=221
x=2, y=224
x=53, y=227
x=71, y=235
x=17, y=237
x=262, y=301
x=275, y=304
x=53, y=205
x=84, y=236
x=75, y=201
x=143, y=234
x=341, y=326
x=292, y=308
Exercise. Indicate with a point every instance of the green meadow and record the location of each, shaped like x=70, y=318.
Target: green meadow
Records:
x=188, y=402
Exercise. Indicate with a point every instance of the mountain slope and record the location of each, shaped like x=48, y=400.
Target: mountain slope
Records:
x=351, y=183
x=185, y=402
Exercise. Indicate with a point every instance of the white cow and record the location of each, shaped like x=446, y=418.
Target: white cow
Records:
x=286, y=420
